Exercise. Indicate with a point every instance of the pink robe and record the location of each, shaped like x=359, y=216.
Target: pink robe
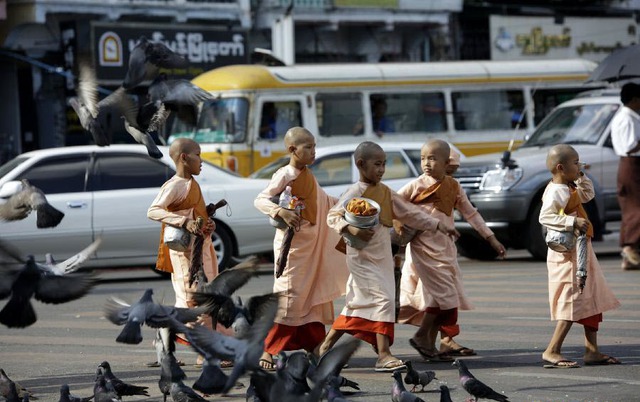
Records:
x=431, y=276
x=177, y=188
x=565, y=301
x=371, y=284
x=315, y=273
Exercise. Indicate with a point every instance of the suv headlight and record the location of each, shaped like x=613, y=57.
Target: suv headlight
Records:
x=500, y=179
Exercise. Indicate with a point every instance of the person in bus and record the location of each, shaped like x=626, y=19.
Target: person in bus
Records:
x=382, y=124
x=268, y=121
x=431, y=292
x=369, y=312
x=315, y=273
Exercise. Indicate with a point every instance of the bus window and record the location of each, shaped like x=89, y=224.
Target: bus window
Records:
x=223, y=120
x=339, y=114
x=488, y=110
x=408, y=112
x=545, y=100
x=277, y=117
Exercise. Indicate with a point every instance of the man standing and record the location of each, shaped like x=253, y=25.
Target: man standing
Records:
x=625, y=135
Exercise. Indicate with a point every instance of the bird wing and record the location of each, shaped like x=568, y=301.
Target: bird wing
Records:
x=87, y=89
x=159, y=316
x=230, y=280
x=117, y=311
x=160, y=55
x=332, y=362
x=256, y=305
x=214, y=343
x=60, y=289
x=137, y=70
x=183, y=92
x=74, y=262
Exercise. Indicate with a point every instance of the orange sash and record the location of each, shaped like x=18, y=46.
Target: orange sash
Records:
x=382, y=195
x=193, y=200
x=574, y=205
x=304, y=187
x=442, y=194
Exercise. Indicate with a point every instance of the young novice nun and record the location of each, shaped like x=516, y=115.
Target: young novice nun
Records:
x=315, y=273
x=562, y=211
x=369, y=313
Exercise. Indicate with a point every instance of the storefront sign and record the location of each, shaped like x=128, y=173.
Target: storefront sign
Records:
x=534, y=38
x=205, y=48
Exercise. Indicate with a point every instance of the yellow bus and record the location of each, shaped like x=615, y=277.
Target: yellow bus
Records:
x=480, y=106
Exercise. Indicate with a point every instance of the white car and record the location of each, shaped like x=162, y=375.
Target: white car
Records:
x=106, y=191
x=335, y=169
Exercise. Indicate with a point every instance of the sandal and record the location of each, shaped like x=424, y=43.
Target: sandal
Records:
x=461, y=351
x=428, y=355
x=226, y=363
x=390, y=366
x=605, y=361
x=560, y=364
x=266, y=365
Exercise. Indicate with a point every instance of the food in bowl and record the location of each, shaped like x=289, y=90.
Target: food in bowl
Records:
x=361, y=207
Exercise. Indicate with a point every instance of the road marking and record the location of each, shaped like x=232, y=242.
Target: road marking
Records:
x=571, y=377
x=547, y=319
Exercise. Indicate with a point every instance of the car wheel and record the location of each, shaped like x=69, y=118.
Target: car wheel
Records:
x=535, y=235
x=475, y=248
x=223, y=245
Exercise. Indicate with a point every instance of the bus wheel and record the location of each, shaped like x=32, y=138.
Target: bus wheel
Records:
x=535, y=235
x=475, y=248
x=223, y=246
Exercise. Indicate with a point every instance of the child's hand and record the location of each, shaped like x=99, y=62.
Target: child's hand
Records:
x=208, y=228
x=448, y=229
x=192, y=227
x=398, y=227
x=362, y=234
x=581, y=224
x=291, y=218
x=502, y=252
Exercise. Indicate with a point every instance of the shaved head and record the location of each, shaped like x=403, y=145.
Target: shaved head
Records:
x=438, y=147
x=180, y=146
x=366, y=150
x=296, y=136
x=560, y=154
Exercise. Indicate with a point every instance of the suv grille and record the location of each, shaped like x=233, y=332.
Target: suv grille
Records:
x=470, y=177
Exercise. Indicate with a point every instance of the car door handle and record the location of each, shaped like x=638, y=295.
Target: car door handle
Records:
x=76, y=204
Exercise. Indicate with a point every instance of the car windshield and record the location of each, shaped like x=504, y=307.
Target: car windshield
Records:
x=583, y=124
x=268, y=170
x=9, y=166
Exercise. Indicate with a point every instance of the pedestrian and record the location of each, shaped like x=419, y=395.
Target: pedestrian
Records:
x=625, y=135
x=179, y=203
x=454, y=163
x=315, y=273
x=432, y=292
x=369, y=312
x=562, y=211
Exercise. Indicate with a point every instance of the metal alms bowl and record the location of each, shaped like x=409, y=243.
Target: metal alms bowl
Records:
x=362, y=221
x=177, y=239
x=560, y=241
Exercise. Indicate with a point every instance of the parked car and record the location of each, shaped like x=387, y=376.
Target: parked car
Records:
x=507, y=188
x=335, y=169
x=106, y=191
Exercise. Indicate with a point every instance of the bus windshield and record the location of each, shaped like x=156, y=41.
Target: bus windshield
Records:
x=582, y=124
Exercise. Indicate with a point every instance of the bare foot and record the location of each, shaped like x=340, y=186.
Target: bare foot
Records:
x=266, y=362
x=449, y=345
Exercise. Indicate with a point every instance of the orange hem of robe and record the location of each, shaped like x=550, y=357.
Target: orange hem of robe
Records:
x=286, y=337
x=364, y=329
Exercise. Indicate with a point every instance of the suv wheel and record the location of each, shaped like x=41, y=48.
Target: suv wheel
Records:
x=223, y=246
x=475, y=248
x=535, y=235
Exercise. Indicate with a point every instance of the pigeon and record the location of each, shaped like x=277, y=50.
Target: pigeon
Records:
x=91, y=113
x=170, y=371
x=147, y=58
x=179, y=96
x=102, y=392
x=121, y=387
x=212, y=379
x=145, y=311
x=5, y=384
x=144, y=138
x=33, y=280
x=71, y=264
x=246, y=314
x=422, y=378
x=30, y=198
x=475, y=387
x=182, y=393
x=66, y=396
x=333, y=391
x=399, y=392
x=445, y=396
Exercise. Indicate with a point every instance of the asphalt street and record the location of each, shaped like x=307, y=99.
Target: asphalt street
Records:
x=509, y=328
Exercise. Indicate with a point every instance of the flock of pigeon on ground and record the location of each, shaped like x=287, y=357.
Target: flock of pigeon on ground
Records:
x=299, y=377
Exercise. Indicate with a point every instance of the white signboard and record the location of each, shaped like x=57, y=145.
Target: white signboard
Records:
x=537, y=38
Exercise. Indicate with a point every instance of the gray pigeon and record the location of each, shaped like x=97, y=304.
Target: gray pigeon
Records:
x=170, y=371
x=71, y=264
x=103, y=392
x=145, y=311
x=399, y=393
x=182, y=393
x=415, y=378
x=66, y=396
x=475, y=387
x=179, y=96
x=146, y=59
x=30, y=198
x=445, y=396
x=121, y=387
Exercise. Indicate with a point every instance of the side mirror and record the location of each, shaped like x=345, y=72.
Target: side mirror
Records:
x=10, y=188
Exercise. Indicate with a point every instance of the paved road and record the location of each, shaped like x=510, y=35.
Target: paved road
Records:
x=509, y=328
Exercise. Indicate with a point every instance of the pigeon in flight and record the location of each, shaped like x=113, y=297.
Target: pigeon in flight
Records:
x=30, y=198
x=179, y=96
x=145, y=311
x=475, y=387
x=399, y=393
x=147, y=58
x=415, y=378
x=73, y=263
x=66, y=396
x=121, y=387
x=144, y=138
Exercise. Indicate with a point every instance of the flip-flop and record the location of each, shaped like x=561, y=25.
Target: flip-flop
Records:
x=461, y=351
x=560, y=364
x=267, y=365
x=390, y=366
x=428, y=356
x=605, y=361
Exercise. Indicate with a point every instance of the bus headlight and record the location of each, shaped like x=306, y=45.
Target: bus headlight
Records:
x=500, y=179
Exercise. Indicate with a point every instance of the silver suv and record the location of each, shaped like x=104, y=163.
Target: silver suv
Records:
x=507, y=188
